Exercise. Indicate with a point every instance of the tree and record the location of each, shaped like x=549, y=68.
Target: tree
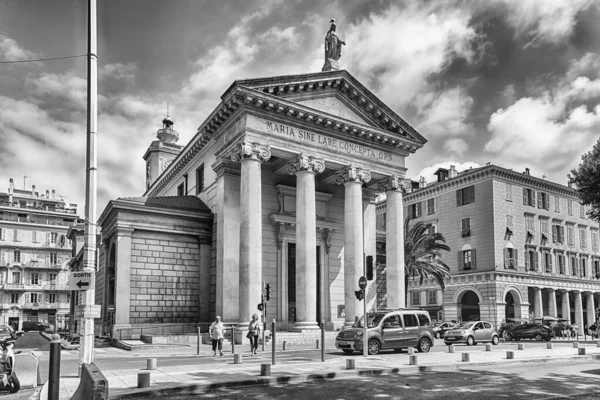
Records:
x=423, y=254
x=586, y=178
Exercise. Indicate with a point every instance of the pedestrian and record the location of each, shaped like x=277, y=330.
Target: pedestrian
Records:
x=216, y=334
x=253, y=332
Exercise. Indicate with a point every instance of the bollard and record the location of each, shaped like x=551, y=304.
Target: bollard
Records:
x=411, y=351
x=466, y=357
x=232, y=339
x=488, y=347
x=323, y=340
x=510, y=355
x=317, y=343
x=413, y=360
x=237, y=358
x=143, y=380
x=263, y=336
x=265, y=369
x=284, y=343
x=451, y=348
x=54, y=368
x=198, y=342
x=273, y=326
x=350, y=363
x=151, y=363
x=581, y=351
x=521, y=346
x=575, y=345
x=549, y=345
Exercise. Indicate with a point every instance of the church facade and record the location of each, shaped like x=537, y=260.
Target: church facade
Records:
x=277, y=187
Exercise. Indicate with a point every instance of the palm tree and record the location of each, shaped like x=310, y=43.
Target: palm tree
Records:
x=422, y=254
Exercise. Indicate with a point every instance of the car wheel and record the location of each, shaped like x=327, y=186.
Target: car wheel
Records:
x=495, y=340
x=14, y=383
x=424, y=345
x=437, y=335
x=347, y=351
x=538, y=337
x=470, y=341
x=374, y=347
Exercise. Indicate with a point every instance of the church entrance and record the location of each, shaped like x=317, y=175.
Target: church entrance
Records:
x=291, y=283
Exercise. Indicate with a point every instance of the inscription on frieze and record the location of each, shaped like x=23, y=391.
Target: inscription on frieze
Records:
x=305, y=136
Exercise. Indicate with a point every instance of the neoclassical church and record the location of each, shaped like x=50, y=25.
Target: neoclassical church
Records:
x=277, y=187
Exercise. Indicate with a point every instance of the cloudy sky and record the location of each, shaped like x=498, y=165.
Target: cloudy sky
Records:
x=512, y=82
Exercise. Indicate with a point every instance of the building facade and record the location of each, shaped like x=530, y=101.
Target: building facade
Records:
x=522, y=247
x=289, y=168
x=34, y=253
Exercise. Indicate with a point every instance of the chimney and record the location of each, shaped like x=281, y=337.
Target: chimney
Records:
x=526, y=171
x=47, y=194
x=453, y=172
x=422, y=182
x=32, y=190
x=570, y=184
x=53, y=194
x=11, y=188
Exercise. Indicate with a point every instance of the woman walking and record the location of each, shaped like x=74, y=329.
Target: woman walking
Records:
x=216, y=334
x=253, y=332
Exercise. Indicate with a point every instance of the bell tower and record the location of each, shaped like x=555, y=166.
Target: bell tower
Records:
x=161, y=152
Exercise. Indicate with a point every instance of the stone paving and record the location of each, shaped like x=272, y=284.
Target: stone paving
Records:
x=206, y=376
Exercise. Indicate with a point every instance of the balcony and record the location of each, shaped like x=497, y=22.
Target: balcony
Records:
x=50, y=209
x=55, y=287
x=15, y=287
x=45, y=305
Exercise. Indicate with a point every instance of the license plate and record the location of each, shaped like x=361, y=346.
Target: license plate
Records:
x=344, y=343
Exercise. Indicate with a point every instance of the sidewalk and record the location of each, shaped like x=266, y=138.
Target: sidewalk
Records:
x=201, y=377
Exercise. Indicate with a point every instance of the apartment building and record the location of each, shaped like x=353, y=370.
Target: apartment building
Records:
x=522, y=247
x=34, y=253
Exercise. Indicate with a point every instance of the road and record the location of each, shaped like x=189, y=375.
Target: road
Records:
x=526, y=381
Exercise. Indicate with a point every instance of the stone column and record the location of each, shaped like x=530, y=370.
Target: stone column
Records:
x=565, y=306
x=305, y=168
x=578, y=312
x=552, y=303
x=251, y=156
x=394, y=241
x=370, y=242
x=538, y=307
x=352, y=178
x=228, y=240
x=122, y=324
x=591, y=309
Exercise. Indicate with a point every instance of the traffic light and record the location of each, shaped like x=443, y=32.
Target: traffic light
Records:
x=359, y=294
x=260, y=306
x=268, y=292
x=369, y=262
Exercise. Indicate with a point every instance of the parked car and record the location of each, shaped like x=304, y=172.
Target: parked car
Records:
x=440, y=328
x=389, y=329
x=32, y=326
x=538, y=332
x=6, y=332
x=472, y=332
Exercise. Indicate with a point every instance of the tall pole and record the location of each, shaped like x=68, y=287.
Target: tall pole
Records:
x=86, y=347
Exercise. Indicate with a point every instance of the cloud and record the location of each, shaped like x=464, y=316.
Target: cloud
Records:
x=445, y=113
x=457, y=146
x=10, y=50
x=427, y=172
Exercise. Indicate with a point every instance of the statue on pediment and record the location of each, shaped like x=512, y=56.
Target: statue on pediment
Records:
x=333, y=48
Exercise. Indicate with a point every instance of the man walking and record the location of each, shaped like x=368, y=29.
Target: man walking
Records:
x=216, y=334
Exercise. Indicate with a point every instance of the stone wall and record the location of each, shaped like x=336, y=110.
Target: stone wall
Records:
x=164, y=278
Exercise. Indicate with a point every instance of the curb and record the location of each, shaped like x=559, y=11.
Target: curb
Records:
x=299, y=378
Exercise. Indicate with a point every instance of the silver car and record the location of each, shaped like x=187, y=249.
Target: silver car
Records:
x=472, y=332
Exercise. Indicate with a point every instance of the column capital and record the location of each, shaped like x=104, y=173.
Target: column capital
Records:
x=393, y=182
x=369, y=196
x=352, y=173
x=224, y=166
x=252, y=151
x=303, y=162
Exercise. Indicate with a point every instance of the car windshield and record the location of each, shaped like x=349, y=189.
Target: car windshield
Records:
x=465, y=325
x=5, y=330
x=373, y=320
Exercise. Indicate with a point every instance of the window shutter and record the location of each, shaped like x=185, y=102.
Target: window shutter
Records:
x=459, y=198
x=472, y=193
x=550, y=261
x=532, y=198
x=2, y=233
x=419, y=209
x=554, y=235
x=527, y=260
x=524, y=196
x=473, y=259
x=506, y=259
x=537, y=261
x=547, y=201
x=47, y=237
x=540, y=200
x=460, y=260
x=516, y=254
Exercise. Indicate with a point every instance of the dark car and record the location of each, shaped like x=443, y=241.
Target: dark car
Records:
x=537, y=332
x=6, y=332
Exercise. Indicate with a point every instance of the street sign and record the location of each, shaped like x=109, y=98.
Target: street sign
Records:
x=362, y=283
x=80, y=280
x=87, y=311
x=111, y=308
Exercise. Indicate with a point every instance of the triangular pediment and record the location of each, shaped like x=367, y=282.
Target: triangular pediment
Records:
x=336, y=93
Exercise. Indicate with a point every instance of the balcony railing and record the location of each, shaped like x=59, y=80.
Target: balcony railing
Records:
x=57, y=287
x=45, y=305
x=30, y=207
x=14, y=286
